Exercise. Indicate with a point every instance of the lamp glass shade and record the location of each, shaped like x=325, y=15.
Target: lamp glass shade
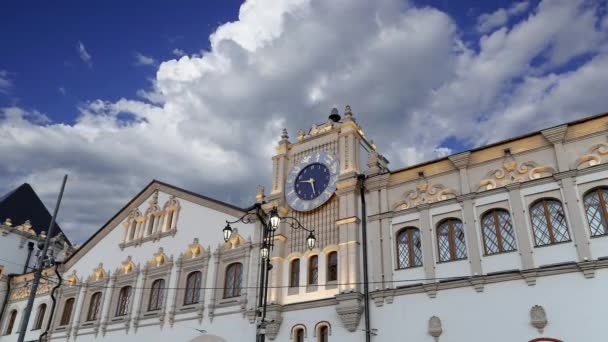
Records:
x=227, y=232
x=311, y=240
x=275, y=220
x=264, y=252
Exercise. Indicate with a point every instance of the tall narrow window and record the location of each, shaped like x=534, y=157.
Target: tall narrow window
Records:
x=124, y=297
x=294, y=273
x=234, y=278
x=94, y=305
x=497, y=232
x=548, y=222
x=156, y=295
x=66, y=316
x=151, y=220
x=332, y=266
x=298, y=336
x=409, y=248
x=450, y=240
x=39, y=317
x=169, y=223
x=193, y=288
x=132, y=229
x=596, y=208
x=11, y=323
x=324, y=334
x=313, y=270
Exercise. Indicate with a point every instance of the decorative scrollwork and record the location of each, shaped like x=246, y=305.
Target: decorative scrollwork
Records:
x=513, y=172
x=425, y=193
x=593, y=157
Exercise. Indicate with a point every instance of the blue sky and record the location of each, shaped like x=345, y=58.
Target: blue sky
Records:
x=41, y=40
x=196, y=93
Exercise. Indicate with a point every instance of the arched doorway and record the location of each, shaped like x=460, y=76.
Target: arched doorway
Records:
x=208, y=338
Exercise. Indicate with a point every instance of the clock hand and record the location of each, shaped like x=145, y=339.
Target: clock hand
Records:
x=312, y=183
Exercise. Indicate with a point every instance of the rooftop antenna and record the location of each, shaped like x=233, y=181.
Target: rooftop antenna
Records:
x=334, y=115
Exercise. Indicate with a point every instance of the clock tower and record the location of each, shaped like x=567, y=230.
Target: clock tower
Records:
x=314, y=179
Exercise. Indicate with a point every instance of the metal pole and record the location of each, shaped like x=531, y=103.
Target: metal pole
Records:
x=368, y=332
x=38, y=273
x=261, y=333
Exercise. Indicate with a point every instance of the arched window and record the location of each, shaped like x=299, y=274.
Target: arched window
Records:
x=124, y=297
x=313, y=270
x=409, y=248
x=323, y=333
x=11, y=323
x=450, y=240
x=234, y=278
x=332, y=266
x=497, y=232
x=193, y=288
x=66, y=316
x=156, y=295
x=596, y=208
x=39, y=317
x=294, y=273
x=548, y=222
x=94, y=305
x=298, y=335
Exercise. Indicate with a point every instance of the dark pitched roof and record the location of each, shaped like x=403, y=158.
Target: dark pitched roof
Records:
x=23, y=204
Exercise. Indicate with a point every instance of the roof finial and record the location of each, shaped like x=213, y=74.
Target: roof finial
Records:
x=284, y=137
x=348, y=114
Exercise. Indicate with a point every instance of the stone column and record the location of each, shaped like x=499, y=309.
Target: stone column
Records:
x=556, y=136
x=461, y=161
x=518, y=215
x=471, y=233
x=426, y=232
x=577, y=225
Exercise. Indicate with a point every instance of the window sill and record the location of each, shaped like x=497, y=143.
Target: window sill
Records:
x=599, y=236
x=408, y=268
x=552, y=244
x=485, y=255
x=448, y=261
x=312, y=288
x=331, y=285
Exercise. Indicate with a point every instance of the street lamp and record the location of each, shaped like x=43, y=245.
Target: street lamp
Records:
x=275, y=220
x=227, y=232
x=270, y=223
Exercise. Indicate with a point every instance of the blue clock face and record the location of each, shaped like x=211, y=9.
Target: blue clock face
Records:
x=312, y=181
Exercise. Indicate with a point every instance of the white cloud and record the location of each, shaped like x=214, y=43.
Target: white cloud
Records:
x=144, y=60
x=488, y=21
x=5, y=82
x=178, y=52
x=61, y=90
x=84, y=54
x=210, y=122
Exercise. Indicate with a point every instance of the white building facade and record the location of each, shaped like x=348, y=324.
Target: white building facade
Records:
x=507, y=242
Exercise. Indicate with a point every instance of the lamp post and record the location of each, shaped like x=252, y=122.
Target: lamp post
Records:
x=270, y=222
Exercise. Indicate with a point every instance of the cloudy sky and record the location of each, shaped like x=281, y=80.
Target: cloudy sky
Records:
x=195, y=93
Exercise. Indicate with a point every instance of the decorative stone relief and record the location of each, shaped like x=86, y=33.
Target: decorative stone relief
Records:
x=274, y=318
x=425, y=193
x=435, y=329
x=594, y=156
x=514, y=172
x=349, y=309
x=538, y=318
